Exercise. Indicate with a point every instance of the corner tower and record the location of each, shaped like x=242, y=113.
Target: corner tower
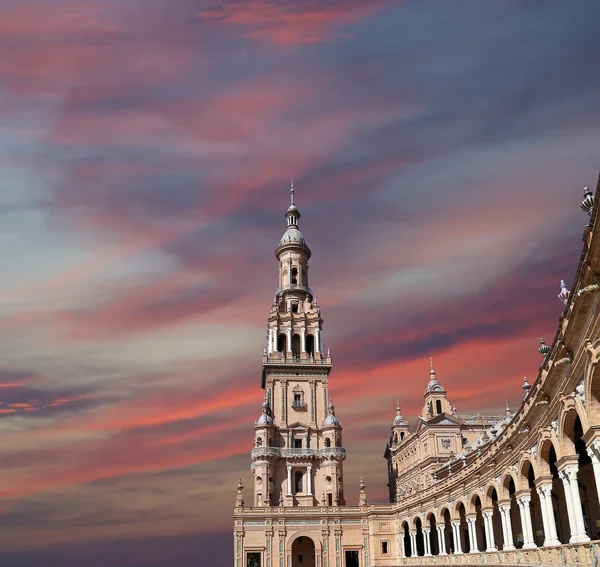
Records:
x=298, y=454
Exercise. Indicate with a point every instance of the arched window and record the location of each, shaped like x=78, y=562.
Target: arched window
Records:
x=298, y=481
x=259, y=441
x=296, y=345
x=282, y=343
x=438, y=406
x=294, y=275
x=327, y=442
x=402, y=436
x=310, y=345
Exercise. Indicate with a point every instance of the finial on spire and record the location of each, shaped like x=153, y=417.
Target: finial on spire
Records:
x=292, y=191
x=544, y=348
x=431, y=370
x=526, y=386
x=588, y=201
x=564, y=292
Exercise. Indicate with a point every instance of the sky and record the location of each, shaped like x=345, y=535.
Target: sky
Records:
x=439, y=151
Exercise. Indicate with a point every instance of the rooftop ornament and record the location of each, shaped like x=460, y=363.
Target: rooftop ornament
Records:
x=526, y=386
x=588, y=289
x=544, y=348
x=564, y=292
x=588, y=201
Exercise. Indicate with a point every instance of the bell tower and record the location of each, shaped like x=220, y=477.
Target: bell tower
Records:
x=298, y=454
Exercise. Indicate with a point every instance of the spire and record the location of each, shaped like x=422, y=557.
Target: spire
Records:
x=362, y=498
x=292, y=192
x=431, y=369
x=399, y=419
x=239, y=499
x=331, y=419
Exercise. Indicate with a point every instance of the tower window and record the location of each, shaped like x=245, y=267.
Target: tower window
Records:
x=297, y=443
x=294, y=276
x=327, y=442
x=384, y=547
x=294, y=308
x=438, y=406
x=298, y=478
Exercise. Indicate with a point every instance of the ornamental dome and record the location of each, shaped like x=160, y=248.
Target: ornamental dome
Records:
x=265, y=418
x=331, y=419
x=292, y=234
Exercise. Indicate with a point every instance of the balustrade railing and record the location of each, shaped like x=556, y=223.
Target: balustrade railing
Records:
x=259, y=452
x=582, y=555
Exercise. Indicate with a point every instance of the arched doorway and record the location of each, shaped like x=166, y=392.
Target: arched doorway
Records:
x=433, y=535
x=447, y=529
x=406, y=539
x=419, y=537
x=481, y=543
x=463, y=530
x=585, y=491
x=303, y=552
x=496, y=525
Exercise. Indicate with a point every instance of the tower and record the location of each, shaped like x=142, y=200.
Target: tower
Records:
x=298, y=454
x=436, y=402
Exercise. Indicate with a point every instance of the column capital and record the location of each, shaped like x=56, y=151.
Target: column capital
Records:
x=471, y=517
x=455, y=522
x=309, y=467
x=569, y=472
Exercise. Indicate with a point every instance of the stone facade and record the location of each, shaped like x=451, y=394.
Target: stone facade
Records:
x=519, y=488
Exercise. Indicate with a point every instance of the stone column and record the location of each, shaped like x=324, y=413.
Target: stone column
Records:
x=457, y=539
x=403, y=546
x=317, y=340
x=289, y=340
x=309, y=480
x=569, y=478
x=303, y=340
x=545, y=493
x=289, y=480
x=427, y=543
x=441, y=540
x=269, y=340
x=593, y=450
x=488, y=523
x=509, y=544
x=472, y=535
x=524, y=506
x=413, y=543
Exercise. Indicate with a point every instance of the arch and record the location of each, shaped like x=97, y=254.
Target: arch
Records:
x=463, y=531
x=306, y=544
x=327, y=442
x=505, y=486
x=259, y=442
x=294, y=275
x=591, y=377
x=419, y=536
x=547, y=445
x=571, y=411
x=473, y=501
x=526, y=470
x=438, y=406
x=457, y=509
x=282, y=343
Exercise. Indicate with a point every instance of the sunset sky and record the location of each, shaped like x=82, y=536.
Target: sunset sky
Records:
x=439, y=151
